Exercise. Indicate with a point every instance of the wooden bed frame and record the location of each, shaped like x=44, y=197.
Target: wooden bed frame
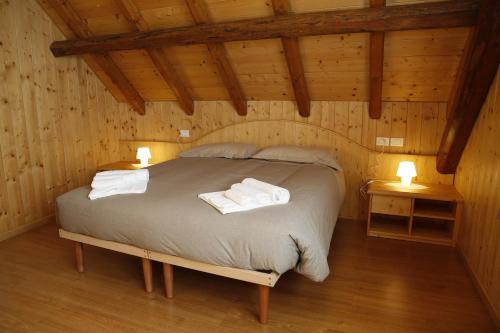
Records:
x=263, y=280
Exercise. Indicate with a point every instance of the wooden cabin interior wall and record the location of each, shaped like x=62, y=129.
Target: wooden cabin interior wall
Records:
x=478, y=179
x=61, y=122
x=57, y=122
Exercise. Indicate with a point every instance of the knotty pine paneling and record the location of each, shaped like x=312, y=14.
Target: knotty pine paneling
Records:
x=420, y=124
x=419, y=65
x=342, y=126
x=57, y=122
x=478, y=179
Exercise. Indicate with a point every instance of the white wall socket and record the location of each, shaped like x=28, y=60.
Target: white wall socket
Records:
x=397, y=142
x=382, y=141
x=184, y=133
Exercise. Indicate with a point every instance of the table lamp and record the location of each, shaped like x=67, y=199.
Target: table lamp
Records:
x=406, y=170
x=143, y=154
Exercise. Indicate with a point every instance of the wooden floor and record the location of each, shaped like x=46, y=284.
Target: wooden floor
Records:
x=376, y=285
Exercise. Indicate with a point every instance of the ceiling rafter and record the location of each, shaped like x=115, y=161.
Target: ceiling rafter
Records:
x=164, y=67
x=376, y=67
x=475, y=76
x=291, y=50
x=392, y=18
x=218, y=52
x=79, y=27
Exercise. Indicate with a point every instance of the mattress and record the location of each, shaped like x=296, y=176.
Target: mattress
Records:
x=169, y=218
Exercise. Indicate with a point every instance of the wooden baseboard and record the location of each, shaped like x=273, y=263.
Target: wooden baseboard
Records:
x=24, y=228
x=484, y=296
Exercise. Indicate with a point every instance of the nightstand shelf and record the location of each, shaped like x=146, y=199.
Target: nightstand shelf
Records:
x=435, y=231
x=442, y=210
x=386, y=226
x=424, y=213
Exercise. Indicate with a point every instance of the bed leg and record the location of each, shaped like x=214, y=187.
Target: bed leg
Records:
x=79, y=257
x=148, y=274
x=263, y=303
x=168, y=276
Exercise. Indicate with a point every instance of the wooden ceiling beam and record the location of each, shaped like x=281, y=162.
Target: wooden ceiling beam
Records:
x=477, y=72
x=80, y=28
x=404, y=17
x=170, y=75
x=164, y=67
x=376, y=67
x=291, y=50
x=219, y=56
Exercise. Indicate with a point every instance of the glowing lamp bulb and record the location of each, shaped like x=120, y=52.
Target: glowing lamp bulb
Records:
x=143, y=154
x=406, y=170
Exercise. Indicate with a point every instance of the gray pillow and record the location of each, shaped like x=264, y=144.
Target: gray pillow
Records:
x=300, y=155
x=227, y=150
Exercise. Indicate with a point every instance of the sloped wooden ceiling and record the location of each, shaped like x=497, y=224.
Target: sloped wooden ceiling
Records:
x=419, y=65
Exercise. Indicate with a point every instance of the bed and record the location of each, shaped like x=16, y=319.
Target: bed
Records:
x=170, y=224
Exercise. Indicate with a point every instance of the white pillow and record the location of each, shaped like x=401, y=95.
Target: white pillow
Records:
x=227, y=150
x=300, y=155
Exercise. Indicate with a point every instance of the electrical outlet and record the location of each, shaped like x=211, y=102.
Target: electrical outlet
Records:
x=397, y=142
x=382, y=141
x=184, y=133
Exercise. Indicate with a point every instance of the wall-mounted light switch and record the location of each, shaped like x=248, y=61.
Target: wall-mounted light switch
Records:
x=184, y=133
x=382, y=141
x=397, y=142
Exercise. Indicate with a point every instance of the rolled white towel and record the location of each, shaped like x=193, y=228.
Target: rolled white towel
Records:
x=240, y=197
x=119, y=178
x=278, y=194
x=260, y=196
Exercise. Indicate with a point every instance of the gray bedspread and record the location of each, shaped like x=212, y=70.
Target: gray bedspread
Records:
x=169, y=218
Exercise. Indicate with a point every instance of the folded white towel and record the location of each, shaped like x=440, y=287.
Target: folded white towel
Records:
x=278, y=194
x=108, y=179
x=119, y=182
x=137, y=187
x=260, y=196
x=223, y=204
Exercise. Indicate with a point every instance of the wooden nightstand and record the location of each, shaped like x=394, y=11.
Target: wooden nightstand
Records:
x=121, y=165
x=428, y=213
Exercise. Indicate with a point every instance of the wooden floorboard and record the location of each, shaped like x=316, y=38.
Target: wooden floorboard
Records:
x=376, y=285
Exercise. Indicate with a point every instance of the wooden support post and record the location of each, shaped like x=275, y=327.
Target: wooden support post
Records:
x=263, y=303
x=291, y=51
x=376, y=67
x=168, y=276
x=79, y=257
x=164, y=67
x=200, y=14
x=103, y=60
x=148, y=274
x=478, y=70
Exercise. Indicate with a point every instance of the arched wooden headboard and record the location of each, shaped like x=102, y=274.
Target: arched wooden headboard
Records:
x=359, y=163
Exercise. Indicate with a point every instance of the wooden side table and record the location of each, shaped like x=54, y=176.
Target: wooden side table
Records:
x=427, y=213
x=121, y=165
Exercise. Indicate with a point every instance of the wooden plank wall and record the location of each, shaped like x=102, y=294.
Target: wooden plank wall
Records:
x=420, y=124
x=56, y=120
x=342, y=126
x=478, y=179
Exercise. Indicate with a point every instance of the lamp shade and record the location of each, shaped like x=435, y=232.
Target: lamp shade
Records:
x=406, y=170
x=143, y=152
